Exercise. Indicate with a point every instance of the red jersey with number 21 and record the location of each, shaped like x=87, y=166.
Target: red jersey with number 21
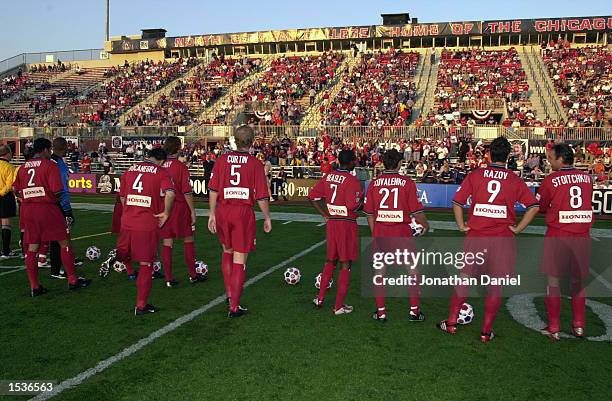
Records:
x=494, y=191
x=239, y=179
x=143, y=187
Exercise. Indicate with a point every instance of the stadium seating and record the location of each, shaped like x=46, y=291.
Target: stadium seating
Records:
x=583, y=80
x=380, y=91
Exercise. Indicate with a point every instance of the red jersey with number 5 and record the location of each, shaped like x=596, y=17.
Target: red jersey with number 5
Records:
x=239, y=179
x=494, y=192
x=143, y=187
x=392, y=198
x=342, y=192
x=565, y=197
x=38, y=181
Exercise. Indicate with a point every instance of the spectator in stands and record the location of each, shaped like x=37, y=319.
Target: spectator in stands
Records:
x=429, y=176
x=86, y=164
x=445, y=176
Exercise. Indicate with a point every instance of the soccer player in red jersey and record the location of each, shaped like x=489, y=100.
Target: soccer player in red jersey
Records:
x=565, y=197
x=343, y=196
x=238, y=181
x=390, y=204
x=38, y=185
x=147, y=194
x=494, y=191
x=181, y=223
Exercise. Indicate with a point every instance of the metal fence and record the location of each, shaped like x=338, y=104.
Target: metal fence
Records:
x=54, y=56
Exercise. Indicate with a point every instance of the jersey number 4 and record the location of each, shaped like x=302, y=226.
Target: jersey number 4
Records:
x=137, y=186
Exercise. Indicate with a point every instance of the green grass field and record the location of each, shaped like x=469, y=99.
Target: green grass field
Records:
x=285, y=348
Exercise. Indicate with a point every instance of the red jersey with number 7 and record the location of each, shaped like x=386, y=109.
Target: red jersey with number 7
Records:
x=239, y=179
x=342, y=192
x=143, y=187
x=565, y=197
x=494, y=191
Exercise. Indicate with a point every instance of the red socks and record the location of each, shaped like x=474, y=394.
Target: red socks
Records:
x=343, y=285
x=457, y=299
x=145, y=277
x=68, y=262
x=326, y=276
x=32, y=268
x=42, y=250
x=553, y=308
x=578, y=302
x=226, y=267
x=237, y=283
x=167, y=262
x=190, y=259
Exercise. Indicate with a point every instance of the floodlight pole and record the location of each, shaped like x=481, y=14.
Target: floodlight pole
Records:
x=107, y=33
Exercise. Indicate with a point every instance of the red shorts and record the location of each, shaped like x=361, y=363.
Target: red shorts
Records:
x=179, y=223
x=342, y=240
x=493, y=256
x=566, y=254
x=140, y=246
x=399, y=230
x=43, y=222
x=117, y=213
x=236, y=228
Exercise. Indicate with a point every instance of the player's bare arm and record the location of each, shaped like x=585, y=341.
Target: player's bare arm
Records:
x=320, y=208
x=265, y=209
x=421, y=218
x=212, y=222
x=526, y=220
x=168, y=203
x=189, y=201
x=458, y=212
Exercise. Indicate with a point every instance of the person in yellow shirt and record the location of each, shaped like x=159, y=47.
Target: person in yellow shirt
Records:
x=8, y=205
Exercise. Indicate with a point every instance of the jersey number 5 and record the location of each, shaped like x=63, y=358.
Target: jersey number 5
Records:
x=235, y=173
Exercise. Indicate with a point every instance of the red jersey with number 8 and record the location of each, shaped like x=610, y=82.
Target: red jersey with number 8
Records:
x=239, y=179
x=494, y=192
x=565, y=197
x=143, y=187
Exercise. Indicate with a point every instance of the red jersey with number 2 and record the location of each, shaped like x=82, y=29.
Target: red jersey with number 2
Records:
x=143, y=187
x=239, y=179
x=494, y=192
x=38, y=181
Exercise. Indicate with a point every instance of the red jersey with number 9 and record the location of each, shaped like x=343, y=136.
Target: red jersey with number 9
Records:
x=565, y=197
x=38, y=181
x=143, y=187
x=239, y=179
x=494, y=191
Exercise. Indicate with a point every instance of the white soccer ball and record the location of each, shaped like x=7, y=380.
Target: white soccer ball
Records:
x=93, y=253
x=417, y=229
x=157, y=266
x=119, y=266
x=201, y=268
x=318, y=281
x=292, y=276
x=466, y=314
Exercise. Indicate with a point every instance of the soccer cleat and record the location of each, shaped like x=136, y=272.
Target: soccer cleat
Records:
x=343, y=310
x=486, y=337
x=578, y=332
x=146, y=310
x=381, y=317
x=78, y=262
x=39, y=291
x=81, y=283
x=133, y=277
x=199, y=278
x=60, y=276
x=554, y=336
x=44, y=264
x=9, y=255
x=237, y=313
x=157, y=275
x=447, y=328
x=317, y=302
x=416, y=317
x=171, y=284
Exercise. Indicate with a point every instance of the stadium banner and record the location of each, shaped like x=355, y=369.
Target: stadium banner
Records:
x=602, y=201
x=546, y=25
x=538, y=146
x=82, y=183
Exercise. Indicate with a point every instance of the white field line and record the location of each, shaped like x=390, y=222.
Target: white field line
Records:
x=287, y=222
x=105, y=364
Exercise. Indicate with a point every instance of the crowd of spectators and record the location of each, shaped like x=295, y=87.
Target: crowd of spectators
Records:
x=379, y=92
x=583, y=80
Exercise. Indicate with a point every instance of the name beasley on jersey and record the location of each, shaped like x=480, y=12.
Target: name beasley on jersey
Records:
x=335, y=178
x=571, y=179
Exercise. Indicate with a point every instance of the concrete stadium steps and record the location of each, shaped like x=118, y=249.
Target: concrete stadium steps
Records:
x=426, y=86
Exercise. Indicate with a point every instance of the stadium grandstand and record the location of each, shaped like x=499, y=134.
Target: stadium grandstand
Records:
x=438, y=92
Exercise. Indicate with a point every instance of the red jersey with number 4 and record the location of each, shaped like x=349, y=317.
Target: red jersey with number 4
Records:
x=392, y=198
x=565, y=197
x=180, y=177
x=239, y=179
x=38, y=181
x=494, y=192
x=342, y=192
x=143, y=187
